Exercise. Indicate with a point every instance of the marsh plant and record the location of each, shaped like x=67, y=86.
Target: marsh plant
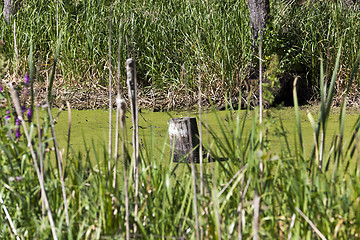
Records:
x=297, y=192
x=176, y=33
x=302, y=194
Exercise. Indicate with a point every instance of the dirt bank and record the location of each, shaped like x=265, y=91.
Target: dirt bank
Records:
x=94, y=96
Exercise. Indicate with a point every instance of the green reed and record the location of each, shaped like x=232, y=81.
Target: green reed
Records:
x=291, y=188
x=298, y=198
x=167, y=36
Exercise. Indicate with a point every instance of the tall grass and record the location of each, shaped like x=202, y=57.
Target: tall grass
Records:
x=166, y=38
x=298, y=198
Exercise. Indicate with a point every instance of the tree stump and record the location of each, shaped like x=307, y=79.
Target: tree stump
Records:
x=184, y=139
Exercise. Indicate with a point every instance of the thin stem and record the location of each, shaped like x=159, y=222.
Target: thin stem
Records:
x=216, y=204
x=69, y=129
x=193, y=175
x=41, y=158
x=193, y=170
x=116, y=137
x=60, y=165
x=136, y=126
x=41, y=182
x=256, y=218
x=291, y=225
x=122, y=107
x=240, y=207
x=15, y=48
x=8, y=217
x=316, y=230
x=257, y=199
x=118, y=103
x=260, y=88
x=132, y=96
x=200, y=139
x=57, y=18
x=110, y=94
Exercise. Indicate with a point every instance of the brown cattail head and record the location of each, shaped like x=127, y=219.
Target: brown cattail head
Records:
x=129, y=73
x=121, y=104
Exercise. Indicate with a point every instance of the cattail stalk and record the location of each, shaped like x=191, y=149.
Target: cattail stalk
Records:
x=122, y=107
x=60, y=165
x=118, y=104
x=131, y=82
x=193, y=175
x=136, y=127
x=200, y=137
x=116, y=155
x=257, y=200
x=110, y=94
x=192, y=165
x=260, y=89
x=41, y=159
x=16, y=102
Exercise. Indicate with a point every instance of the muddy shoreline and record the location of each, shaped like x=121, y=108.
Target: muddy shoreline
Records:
x=97, y=97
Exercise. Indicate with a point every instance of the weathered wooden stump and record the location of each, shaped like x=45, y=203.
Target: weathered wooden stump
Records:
x=184, y=139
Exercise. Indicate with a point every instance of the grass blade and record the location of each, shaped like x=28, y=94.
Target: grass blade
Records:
x=69, y=129
x=8, y=217
x=52, y=76
x=297, y=116
x=316, y=230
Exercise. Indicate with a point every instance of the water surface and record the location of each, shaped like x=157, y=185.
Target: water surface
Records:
x=92, y=127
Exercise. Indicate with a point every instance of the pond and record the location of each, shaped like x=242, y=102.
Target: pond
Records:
x=92, y=127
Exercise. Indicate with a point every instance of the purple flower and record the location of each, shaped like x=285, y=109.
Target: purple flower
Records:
x=18, y=122
x=17, y=133
x=27, y=79
x=29, y=114
x=1, y=87
x=7, y=115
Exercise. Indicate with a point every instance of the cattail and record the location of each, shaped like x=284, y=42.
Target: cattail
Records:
x=122, y=110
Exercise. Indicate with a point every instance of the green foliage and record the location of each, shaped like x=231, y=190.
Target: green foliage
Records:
x=303, y=35
x=271, y=83
x=291, y=183
x=168, y=35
